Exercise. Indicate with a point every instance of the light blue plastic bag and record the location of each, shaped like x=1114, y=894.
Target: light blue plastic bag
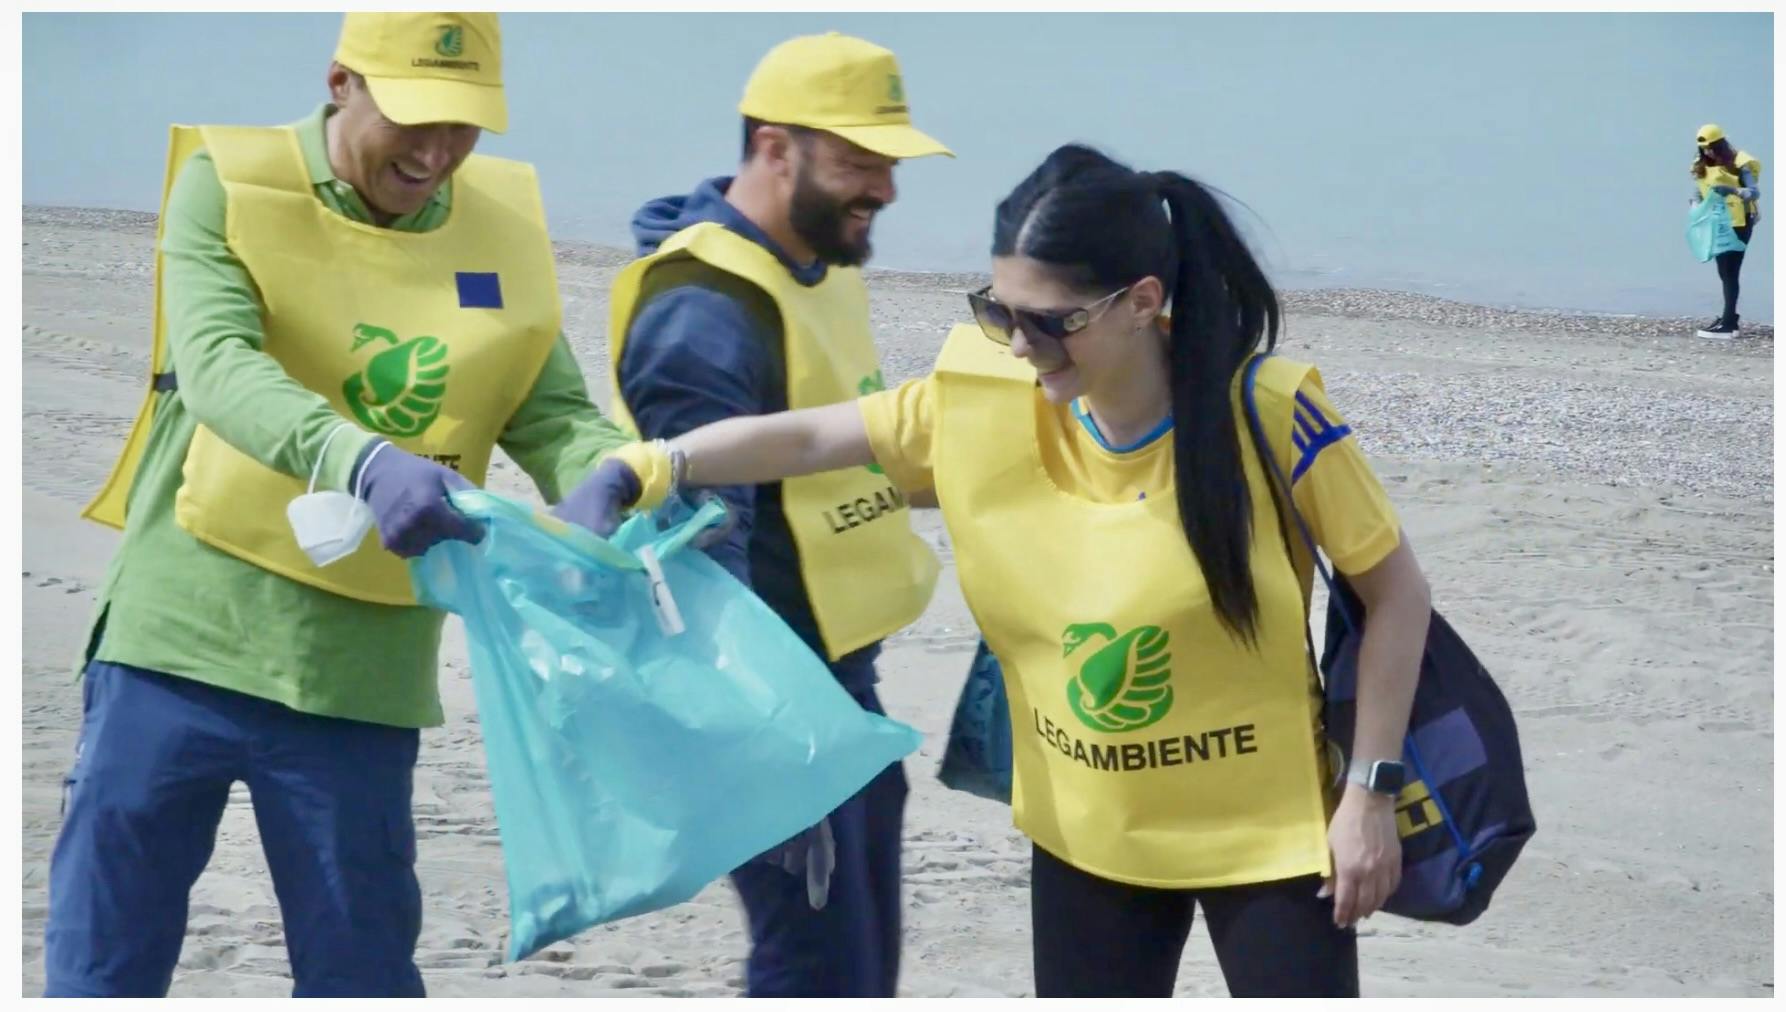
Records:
x=631, y=768
x=1709, y=231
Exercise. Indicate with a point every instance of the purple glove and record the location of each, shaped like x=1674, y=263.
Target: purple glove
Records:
x=597, y=502
x=811, y=854
x=408, y=499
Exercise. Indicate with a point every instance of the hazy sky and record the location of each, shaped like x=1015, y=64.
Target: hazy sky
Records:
x=1529, y=159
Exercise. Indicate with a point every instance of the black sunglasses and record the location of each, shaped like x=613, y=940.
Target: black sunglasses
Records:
x=1000, y=322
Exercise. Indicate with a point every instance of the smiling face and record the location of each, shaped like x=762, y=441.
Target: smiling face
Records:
x=1098, y=355
x=395, y=168
x=838, y=189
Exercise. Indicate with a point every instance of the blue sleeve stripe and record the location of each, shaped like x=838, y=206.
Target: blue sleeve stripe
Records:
x=1314, y=412
x=1316, y=434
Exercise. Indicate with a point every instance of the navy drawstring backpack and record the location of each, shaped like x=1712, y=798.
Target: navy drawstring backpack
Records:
x=1464, y=815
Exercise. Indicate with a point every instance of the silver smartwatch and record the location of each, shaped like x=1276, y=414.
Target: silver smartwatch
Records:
x=1380, y=776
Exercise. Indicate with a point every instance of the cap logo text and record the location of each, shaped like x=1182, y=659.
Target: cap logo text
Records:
x=451, y=42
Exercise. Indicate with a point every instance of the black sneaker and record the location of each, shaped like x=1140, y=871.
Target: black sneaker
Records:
x=1723, y=330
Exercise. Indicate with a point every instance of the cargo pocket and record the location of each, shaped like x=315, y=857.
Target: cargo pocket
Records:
x=72, y=779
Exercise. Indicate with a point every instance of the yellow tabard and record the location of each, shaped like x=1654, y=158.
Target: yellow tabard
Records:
x=1150, y=747
x=431, y=339
x=1718, y=175
x=866, y=572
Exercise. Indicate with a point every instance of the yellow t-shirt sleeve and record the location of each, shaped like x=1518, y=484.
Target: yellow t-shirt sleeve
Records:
x=901, y=425
x=1334, y=487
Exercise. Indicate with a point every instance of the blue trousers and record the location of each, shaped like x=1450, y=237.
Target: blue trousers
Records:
x=151, y=776
x=850, y=949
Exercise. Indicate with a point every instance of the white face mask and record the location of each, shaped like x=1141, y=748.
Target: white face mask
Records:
x=329, y=526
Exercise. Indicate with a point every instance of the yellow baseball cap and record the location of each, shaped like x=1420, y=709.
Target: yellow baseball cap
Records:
x=1711, y=133
x=841, y=85
x=429, y=68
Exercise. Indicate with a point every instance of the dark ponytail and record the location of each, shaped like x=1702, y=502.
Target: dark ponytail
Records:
x=1221, y=306
x=1104, y=226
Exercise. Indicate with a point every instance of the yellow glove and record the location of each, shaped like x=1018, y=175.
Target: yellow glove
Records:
x=650, y=462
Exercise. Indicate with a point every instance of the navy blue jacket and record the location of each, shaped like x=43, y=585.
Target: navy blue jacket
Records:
x=705, y=345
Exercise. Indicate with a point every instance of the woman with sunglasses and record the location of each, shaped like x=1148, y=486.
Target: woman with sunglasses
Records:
x=1721, y=168
x=1117, y=541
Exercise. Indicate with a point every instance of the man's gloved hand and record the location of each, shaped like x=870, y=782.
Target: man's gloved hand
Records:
x=596, y=504
x=810, y=854
x=692, y=501
x=408, y=499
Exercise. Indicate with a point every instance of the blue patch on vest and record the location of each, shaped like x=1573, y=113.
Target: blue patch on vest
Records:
x=479, y=291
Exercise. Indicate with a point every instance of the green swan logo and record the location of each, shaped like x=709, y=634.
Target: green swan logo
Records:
x=865, y=386
x=451, y=42
x=1124, y=686
x=398, y=391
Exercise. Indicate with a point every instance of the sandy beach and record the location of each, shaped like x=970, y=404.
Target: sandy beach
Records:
x=1592, y=498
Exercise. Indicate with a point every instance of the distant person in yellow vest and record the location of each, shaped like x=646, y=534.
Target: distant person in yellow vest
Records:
x=1721, y=168
x=354, y=311
x=1117, y=541
x=748, y=299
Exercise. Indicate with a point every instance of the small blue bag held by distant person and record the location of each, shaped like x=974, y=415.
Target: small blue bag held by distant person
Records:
x=977, y=759
x=1709, y=230
x=649, y=723
x=1464, y=815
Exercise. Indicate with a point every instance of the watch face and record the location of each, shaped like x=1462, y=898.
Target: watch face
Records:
x=1388, y=777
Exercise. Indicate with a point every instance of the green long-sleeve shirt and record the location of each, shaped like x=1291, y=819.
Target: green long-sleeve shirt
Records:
x=171, y=603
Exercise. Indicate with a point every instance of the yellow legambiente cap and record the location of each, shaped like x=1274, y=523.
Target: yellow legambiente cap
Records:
x=1711, y=133
x=429, y=68
x=841, y=85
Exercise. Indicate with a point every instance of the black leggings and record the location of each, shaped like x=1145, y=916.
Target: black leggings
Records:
x=1095, y=938
x=1730, y=266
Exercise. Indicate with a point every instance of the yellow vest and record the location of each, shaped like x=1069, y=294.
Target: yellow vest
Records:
x=1718, y=175
x=1149, y=746
x=866, y=572
x=371, y=319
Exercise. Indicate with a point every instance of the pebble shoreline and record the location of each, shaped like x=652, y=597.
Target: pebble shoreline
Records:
x=1654, y=424
x=1365, y=303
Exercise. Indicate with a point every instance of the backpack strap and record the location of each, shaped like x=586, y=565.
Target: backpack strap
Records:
x=1282, y=497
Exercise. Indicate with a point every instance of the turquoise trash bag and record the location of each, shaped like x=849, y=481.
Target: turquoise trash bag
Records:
x=1709, y=230
x=631, y=766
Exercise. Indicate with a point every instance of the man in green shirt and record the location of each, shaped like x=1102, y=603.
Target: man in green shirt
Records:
x=203, y=667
